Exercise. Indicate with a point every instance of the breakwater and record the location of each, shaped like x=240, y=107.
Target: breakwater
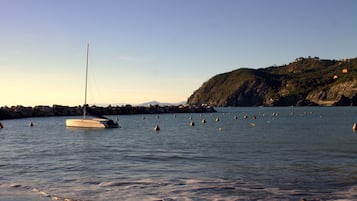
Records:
x=20, y=111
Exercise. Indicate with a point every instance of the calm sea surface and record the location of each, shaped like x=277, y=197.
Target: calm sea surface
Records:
x=284, y=154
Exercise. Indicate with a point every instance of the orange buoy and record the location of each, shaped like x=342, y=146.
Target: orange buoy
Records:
x=354, y=127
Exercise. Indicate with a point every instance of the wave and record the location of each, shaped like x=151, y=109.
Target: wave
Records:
x=35, y=191
x=179, y=189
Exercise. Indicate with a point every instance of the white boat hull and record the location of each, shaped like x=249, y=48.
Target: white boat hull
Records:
x=91, y=123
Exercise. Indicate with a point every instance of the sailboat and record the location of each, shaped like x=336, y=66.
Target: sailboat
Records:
x=86, y=122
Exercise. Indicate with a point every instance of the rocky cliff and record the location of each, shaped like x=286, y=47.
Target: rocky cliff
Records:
x=306, y=81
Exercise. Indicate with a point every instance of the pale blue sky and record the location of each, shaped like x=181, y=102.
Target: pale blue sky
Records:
x=144, y=50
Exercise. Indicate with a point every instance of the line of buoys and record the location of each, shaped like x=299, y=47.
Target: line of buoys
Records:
x=354, y=127
x=217, y=119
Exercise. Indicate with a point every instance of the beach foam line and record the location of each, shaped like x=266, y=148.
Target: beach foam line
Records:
x=39, y=192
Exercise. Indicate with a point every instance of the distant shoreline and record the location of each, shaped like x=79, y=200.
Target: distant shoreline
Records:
x=19, y=111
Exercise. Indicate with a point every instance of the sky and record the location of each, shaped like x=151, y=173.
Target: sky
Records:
x=163, y=50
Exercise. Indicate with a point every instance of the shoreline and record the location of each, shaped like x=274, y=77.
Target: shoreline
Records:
x=19, y=111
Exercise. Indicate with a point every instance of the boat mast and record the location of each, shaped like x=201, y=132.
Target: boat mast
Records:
x=85, y=90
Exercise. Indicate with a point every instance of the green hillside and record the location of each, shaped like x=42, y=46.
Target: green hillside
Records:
x=306, y=81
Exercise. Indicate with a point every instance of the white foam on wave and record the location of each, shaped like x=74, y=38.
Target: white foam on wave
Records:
x=17, y=191
x=166, y=189
x=13, y=185
x=349, y=194
x=172, y=189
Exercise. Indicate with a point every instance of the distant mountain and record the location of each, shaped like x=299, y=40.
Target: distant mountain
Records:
x=162, y=104
x=143, y=104
x=306, y=81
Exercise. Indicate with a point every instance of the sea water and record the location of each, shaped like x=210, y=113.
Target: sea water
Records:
x=275, y=153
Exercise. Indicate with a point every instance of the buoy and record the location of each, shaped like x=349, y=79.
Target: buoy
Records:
x=192, y=123
x=143, y=117
x=354, y=127
x=245, y=117
x=254, y=117
x=31, y=124
x=190, y=118
x=1, y=126
x=252, y=124
x=157, y=127
x=220, y=129
x=235, y=117
x=203, y=121
x=217, y=119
